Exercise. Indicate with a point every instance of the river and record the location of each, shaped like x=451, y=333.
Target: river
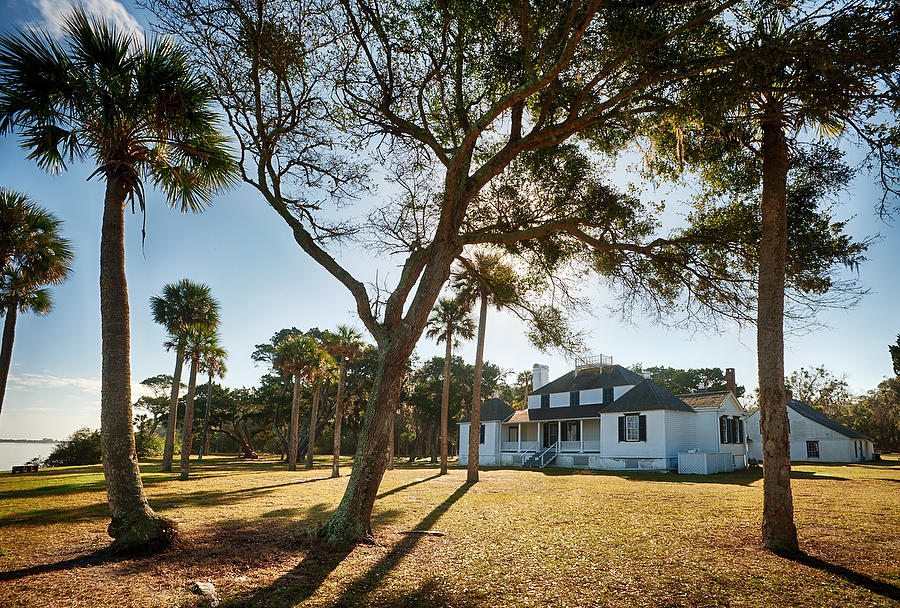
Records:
x=12, y=453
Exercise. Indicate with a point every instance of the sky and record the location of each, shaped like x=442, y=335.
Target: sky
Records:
x=246, y=254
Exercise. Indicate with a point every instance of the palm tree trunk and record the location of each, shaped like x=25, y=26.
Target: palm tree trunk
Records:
x=311, y=442
x=187, y=430
x=134, y=525
x=336, y=462
x=204, y=443
x=169, y=449
x=294, y=431
x=475, y=426
x=9, y=335
x=778, y=530
x=445, y=401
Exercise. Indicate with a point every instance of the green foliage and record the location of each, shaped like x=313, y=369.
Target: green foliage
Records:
x=450, y=320
x=147, y=445
x=82, y=447
x=823, y=390
x=877, y=414
x=683, y=381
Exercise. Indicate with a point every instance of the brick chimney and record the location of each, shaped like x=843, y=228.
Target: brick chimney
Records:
x=730, y=384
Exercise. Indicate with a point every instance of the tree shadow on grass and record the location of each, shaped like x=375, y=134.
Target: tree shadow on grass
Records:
x=407, y=485
x=743, y=477
x=884, y=589
x=302, y=582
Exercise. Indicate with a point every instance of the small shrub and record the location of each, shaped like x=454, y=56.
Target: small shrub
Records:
x=148, y=446
x=82, y=447
x=36, y=461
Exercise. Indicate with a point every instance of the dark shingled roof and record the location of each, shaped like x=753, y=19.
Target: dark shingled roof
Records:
x=817, y=416
x=647, y=396
x=494, y=409
x=556, y=413
x=712, y=399
x=590, y=377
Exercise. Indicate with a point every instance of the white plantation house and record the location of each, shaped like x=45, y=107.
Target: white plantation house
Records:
x=814, y=437
x=604, y=416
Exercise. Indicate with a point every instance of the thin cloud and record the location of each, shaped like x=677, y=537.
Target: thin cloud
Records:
x=29, y=382
x=53, y=12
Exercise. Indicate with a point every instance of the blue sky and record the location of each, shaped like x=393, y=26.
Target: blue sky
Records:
x=264, y=282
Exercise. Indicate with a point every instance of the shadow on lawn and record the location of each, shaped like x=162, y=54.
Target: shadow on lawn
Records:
x=201, y=498
x=407, y=485
x=887, y=590
x=302, y=582
x=743, y=477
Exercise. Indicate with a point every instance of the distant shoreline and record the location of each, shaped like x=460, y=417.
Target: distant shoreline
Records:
x=29, y=441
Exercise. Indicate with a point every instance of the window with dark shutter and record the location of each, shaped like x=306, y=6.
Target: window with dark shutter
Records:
x=723, y=429
x=545, y=400
x=635, y=427
x=608, y=395
x=642, y=428
x=481, y=436
x=574, y=398
x=740, y=437
x=572, y=431
x=621, y=428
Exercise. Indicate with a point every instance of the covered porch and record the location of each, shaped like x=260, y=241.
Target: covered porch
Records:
x=568, y=436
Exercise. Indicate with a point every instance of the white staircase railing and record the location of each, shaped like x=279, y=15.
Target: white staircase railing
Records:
x=554, y=448
x=529, y=451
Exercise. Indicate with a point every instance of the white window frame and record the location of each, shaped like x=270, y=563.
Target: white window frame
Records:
x=810, y=444
x=632, y=431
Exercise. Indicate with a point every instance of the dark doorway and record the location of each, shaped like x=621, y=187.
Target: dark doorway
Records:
x=551, y=433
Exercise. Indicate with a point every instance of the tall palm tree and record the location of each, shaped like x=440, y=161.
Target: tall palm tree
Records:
x=320, y=370
x=487, y=279
x=346, y=345
x=32, y=254
x=182, y=307
x=136, y=109
x=292, y=355
x=200, y=345
x=213, y=362
x=450, y=320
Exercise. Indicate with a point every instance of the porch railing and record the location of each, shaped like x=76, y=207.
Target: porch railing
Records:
x=529, y=450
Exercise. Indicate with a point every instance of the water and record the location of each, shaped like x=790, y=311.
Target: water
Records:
x=20, y=453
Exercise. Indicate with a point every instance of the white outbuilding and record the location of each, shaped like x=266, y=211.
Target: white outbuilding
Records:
x=814, y=437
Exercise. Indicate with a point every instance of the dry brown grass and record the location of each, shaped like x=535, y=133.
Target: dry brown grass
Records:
x=517, y=538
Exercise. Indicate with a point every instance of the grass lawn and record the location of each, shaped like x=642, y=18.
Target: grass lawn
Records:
x=517, y=538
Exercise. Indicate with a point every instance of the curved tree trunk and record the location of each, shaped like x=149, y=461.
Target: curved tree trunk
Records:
x=134, y=525
x=169, y=449
x=336, y=463
x=311, y=442
x=9, y=335
x=445, y=402
x=294, y=431
x=187, y=430
x=778, y=530
x=475, y=426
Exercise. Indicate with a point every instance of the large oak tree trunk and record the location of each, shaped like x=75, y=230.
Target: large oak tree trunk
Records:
x=445, y=402
x=778, y=530
x=9, y=335
x=311, y=442
x=294, y=431
x=187, y=430
x=475, y=426
x=169, y=449
x=134, y=525
x=336, y=462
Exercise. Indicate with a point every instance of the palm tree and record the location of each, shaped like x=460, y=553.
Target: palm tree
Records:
x=346, y=345
x=292, y=356
x=213, y=361
x=487, y=279
x=32, y=254
x=319, y=371
x=182, y=307
x=450, y=320
x=136, y=109
x=200, y=346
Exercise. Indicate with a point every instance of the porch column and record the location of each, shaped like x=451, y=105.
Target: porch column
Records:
x=519, y=435
x=559, y=433
x=540, y=437
x=581, y=434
